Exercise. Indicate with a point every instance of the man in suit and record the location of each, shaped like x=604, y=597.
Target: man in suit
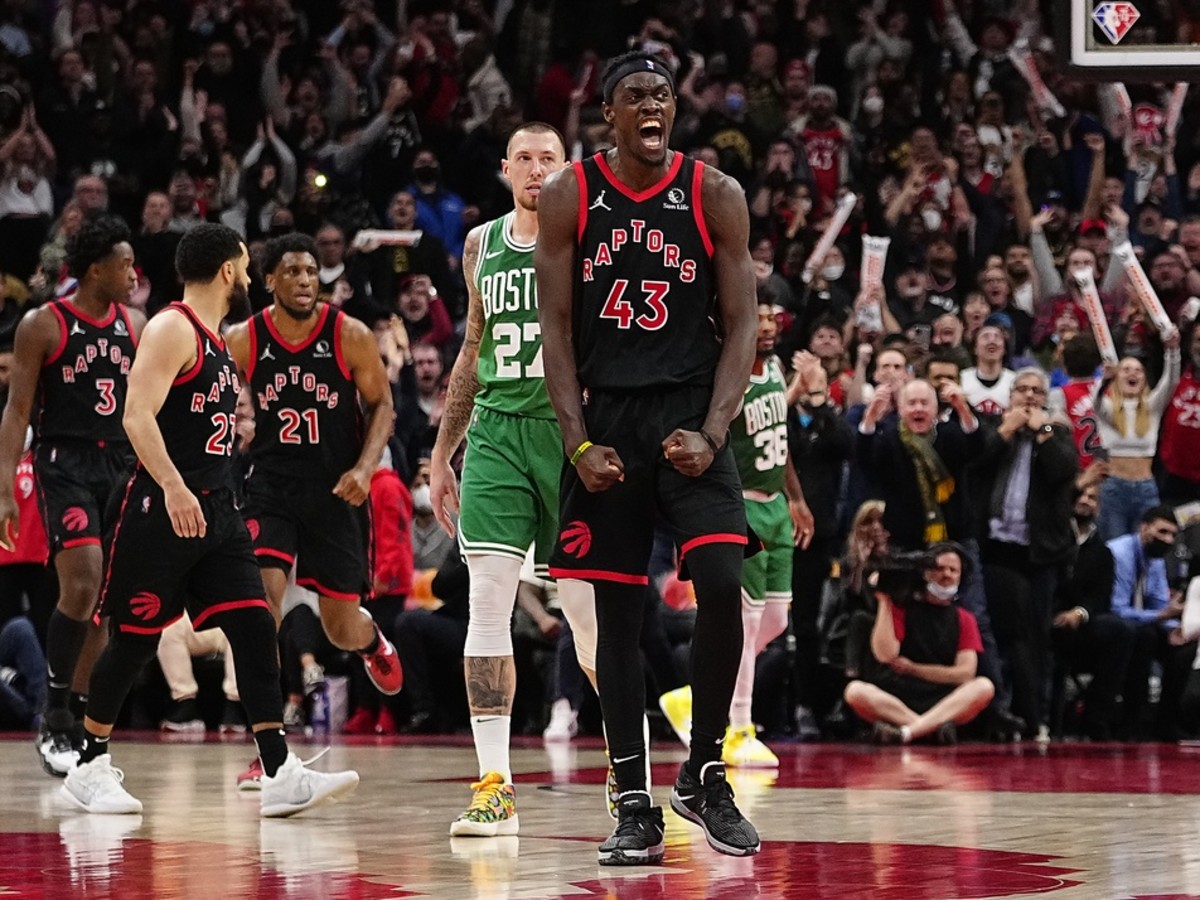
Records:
x=918, y=469
x=1086, y=634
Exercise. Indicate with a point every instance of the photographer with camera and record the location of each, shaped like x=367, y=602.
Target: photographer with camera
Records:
x=925, y=647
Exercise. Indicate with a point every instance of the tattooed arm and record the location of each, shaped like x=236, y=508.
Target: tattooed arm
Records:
x=460, y=396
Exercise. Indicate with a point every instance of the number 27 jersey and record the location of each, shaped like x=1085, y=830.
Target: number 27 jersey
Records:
x=510, y=373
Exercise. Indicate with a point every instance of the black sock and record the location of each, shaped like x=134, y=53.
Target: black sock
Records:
x=77, y=703
x=372, y=647
x=93, y=745
x=630, y=772
x=64, y=641
x=272, y=749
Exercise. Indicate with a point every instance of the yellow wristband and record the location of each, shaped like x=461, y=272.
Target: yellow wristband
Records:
x=579, y=451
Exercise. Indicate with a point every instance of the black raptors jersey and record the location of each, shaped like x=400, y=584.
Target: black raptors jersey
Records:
x=644, y=295
x=197, y=417
x=81, y=389
x=308, y=421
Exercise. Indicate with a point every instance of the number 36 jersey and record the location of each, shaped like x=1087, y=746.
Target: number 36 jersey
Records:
x=308, y=423
x=81, y=389
x=511, y=378
x=758, y=434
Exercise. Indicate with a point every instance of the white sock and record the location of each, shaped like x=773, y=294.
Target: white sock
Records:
x=743, y=691
x=491, y=744
x=774, y=622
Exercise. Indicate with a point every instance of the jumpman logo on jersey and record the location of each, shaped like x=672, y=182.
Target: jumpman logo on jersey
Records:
x=208, y=349
x=119, y=328
x=76, y=328
x=600, y=204
x=266, y=354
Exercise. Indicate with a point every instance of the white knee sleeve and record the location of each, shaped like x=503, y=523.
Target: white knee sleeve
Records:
x=578, y=602
x=493, y=594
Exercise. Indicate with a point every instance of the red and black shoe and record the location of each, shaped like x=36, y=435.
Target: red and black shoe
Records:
x=383, y=666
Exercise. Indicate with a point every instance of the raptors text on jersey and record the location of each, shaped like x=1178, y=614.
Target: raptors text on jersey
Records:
x=644, y=292
x=81, y=388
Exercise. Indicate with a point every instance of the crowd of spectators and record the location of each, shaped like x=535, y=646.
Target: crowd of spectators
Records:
x=960, y=397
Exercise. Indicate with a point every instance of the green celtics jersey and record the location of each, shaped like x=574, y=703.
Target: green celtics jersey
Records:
x=758, y=434
x=510, y=373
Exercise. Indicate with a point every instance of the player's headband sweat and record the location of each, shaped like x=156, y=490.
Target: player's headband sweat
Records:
x=632, y=66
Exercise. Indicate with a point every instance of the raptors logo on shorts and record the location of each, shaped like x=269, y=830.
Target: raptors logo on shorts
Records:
x=145, y=605
x=75, y=519
x=576, y=539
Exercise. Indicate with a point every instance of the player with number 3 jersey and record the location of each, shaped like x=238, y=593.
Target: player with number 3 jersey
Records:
x=71, y=362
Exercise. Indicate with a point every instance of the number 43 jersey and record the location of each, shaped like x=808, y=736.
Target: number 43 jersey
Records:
x=511, y=378
x=308, y=423
x=758, y=434
x=644, y=289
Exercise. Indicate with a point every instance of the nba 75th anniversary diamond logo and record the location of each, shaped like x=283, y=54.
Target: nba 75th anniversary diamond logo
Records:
x=1115, y=19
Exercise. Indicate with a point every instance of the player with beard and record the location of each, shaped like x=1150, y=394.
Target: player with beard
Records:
x=72, y=359
x=180, y=544
x=647, y=308
x=323, y=414
x=497, y=399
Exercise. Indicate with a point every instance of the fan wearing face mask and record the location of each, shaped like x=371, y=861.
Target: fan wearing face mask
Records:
x=1143, y=598
x=921, y=681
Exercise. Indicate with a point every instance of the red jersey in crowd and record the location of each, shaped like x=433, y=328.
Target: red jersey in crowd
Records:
x=1081, y=410
x=31, y=545
x=1179, y=445
x=823, y=148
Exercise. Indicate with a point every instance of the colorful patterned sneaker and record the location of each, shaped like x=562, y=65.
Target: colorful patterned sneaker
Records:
x=493, y=809
x=638, y=838
x=383, y=666
x=611, y=792
x=251, y=779
x=743, y=749
x=677, y=707
x=708, y=802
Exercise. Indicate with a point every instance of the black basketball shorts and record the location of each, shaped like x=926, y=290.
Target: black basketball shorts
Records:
x=79, y=483
x=607, y=536
x=153, y=576
x=302, y=523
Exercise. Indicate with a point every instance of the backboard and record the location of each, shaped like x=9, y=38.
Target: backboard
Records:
x=1127, y=40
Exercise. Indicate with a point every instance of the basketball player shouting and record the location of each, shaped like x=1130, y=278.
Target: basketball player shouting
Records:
x=644, y=387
